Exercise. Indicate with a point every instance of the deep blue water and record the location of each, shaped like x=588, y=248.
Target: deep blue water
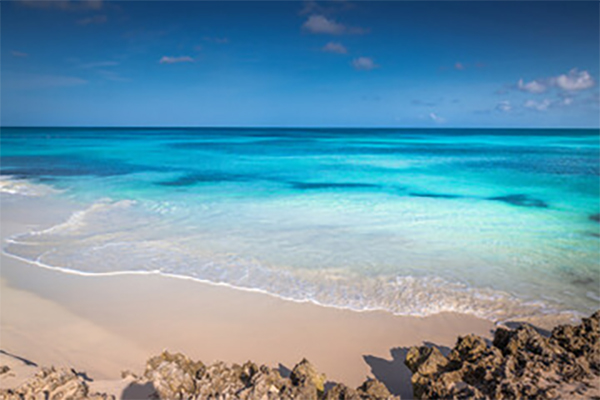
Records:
x=498, y=223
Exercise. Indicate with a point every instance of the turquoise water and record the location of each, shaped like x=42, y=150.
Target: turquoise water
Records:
x=496, y=223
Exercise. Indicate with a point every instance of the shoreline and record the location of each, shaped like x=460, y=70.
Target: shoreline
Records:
x=117, y=320
x=40, y=194
x=111, y=323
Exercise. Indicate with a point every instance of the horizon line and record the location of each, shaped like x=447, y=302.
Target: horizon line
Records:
x=277, y=127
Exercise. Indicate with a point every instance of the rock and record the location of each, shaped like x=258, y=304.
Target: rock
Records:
x=342, y=392
x=305, y=374
x=173, y=375
x=372, y=389
x=4, y=369
x=129, y=375
x=425, y=360
x=520, y=363
x=52, y=383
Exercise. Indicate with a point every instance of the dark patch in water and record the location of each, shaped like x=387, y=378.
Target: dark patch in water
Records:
x=46, y=167
x=204, y=177
x=583, y=281
x=594, y=234
x=595, y=217
x=330, y=185
x=521, y=200
x=436, y=195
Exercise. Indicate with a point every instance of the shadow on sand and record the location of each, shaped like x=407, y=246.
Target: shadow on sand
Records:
x=23, y=360
x=136, y=391
x=393, y=373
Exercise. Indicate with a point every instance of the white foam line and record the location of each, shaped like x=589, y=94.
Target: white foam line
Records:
x=14, y=240
x=497, y=321
x=221, y=284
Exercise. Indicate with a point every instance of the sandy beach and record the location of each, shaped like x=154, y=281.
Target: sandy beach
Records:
x=104, y=325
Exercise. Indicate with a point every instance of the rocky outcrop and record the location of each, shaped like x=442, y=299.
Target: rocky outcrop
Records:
x=520, y=363
x=52, y=383
x=174, y=376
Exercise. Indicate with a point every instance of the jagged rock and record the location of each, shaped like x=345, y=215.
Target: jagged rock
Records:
x=304, y=373
x=52, y=383
x=173, y=375
x=129, y=374
x=342, y=392
x=520, y=363
x=425, y=360
x=372, y=389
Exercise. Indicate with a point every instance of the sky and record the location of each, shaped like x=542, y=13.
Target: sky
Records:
x=300, y=63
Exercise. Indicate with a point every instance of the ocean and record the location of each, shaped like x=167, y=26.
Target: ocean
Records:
x=498, y=223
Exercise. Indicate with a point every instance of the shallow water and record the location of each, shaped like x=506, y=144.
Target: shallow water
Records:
x=497, y=223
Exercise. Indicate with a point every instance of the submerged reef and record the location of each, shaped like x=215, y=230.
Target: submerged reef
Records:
x=519, y=363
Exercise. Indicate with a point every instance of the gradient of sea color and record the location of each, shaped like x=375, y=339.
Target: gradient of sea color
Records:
x=497, y=223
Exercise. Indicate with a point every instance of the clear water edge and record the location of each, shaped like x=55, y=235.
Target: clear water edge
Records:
x=366, y=221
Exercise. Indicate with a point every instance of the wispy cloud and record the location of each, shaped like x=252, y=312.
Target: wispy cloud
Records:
x=19, y=54
x=461, y=66
x=436, y=118
x=26, y=81
x=538, y=105
x=99, y=64
x=95, y=20
x=112, y=76
x=175, y=60
x=531, y=87
x=504, y=106
x=364, y=64
x=335, y=47
x=67, y=5
x=320, y=24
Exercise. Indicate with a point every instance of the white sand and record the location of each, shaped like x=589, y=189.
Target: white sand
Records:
x=103, y=325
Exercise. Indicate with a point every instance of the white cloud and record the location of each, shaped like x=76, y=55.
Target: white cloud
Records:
x=18, y=54
x=334, y=47
x=174, y=60
x=538, y=105
x=364, y=64
x=95, y=20
x=574, y=80
x=504, y=106
x=531, y=87
x=320, y=24
x=437, y=118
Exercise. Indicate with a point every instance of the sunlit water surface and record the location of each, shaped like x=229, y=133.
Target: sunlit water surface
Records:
x=497, y=223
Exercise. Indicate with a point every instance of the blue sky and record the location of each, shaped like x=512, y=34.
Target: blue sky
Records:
x=300, y=63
